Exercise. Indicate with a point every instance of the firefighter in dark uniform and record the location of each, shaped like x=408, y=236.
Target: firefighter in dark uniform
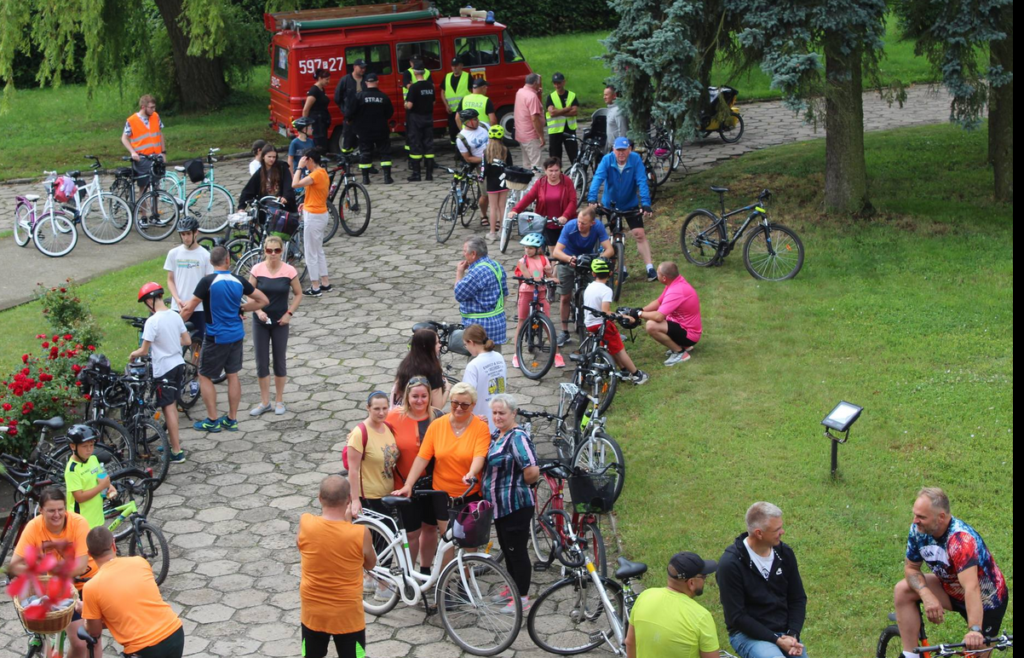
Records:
x=419, y=123
x=371, y=113
x=345, y=97
x=408, y=78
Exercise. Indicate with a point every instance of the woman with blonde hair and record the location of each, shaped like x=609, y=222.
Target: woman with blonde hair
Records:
x=270, y=325
x=495, y=154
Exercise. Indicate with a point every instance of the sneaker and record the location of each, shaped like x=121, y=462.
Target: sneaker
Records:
x=652, y=274
x=492, y=237
x=178, y=458
x=640, y=377
x=280, y=409
x=312, y=292
x=260, y=409
x=232, y=425
x=677, y=357
x=559, y=361
x=510, y=609
x=563, y=339
x=625, y=275
x=206, y=425
x=515, y=361
x=504, y=595
x=326, y=287
x=383, y=592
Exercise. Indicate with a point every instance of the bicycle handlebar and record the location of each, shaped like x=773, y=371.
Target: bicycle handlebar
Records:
x=999, y=642
x=535, y=282
x=536, y=414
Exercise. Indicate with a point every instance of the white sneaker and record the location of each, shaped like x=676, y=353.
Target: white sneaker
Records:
x=280, y=409
x=260, y=409
x=383, y=592
x=510, y=609
x=677, y=357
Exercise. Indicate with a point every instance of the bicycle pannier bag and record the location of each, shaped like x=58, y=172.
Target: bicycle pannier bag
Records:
x=282, y=222
x=195, y=170
x=64, y=189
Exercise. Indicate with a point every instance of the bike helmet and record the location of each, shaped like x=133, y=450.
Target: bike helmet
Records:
x=533, y=239
x=600, y=266
x=79, y=434
x=466, y=115
x=188, y=224
x=496, y=132
x=302, y=122
x=150, y=290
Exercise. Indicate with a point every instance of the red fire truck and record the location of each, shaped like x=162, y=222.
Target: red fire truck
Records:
x=388, y=37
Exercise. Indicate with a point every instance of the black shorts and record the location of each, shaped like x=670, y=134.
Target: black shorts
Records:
x=167, y=394
x=441, y=505
x=216, y=358
x=348, y=645
x=634, y=220
x=171, y=647
x=420, y=511
x=678, y=335
x=991, y=620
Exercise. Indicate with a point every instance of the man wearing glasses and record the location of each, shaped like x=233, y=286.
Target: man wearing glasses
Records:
x=667, y=621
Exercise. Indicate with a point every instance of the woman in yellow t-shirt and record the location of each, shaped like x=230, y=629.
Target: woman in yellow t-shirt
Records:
x=371, y=461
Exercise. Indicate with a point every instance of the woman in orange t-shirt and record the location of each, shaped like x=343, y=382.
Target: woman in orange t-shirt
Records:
x=458, y=444
x=411, y=421
x=315, y=218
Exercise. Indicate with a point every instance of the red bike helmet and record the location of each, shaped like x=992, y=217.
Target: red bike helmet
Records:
x=150, y=290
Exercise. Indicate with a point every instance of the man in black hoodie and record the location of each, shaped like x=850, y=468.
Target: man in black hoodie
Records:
x=762, y=595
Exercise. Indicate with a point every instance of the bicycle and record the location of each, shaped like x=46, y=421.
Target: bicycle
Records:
x=188, y=394
x=53, y=230
x=145, y=539
x=208, y=202
x=618, y=238
x=293, y=256
x=588, y=157
x=461, y=204
x=733, y=123
x=354, y=215
x=518, y=180
x=536, y=343
x=27, y=489
x=449, y=337
x=469, y=592
x=891, y=646
x=106, y=218
x=162, y=207
x=772, y=251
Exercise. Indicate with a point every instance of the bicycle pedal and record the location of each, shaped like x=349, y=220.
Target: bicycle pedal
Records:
x=540, y=566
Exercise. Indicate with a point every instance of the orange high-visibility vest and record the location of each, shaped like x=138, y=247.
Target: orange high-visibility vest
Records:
x=146, y=141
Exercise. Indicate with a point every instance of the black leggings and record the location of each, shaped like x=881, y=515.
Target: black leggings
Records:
x=262, y=336
x=172, y=647
x=513, y=535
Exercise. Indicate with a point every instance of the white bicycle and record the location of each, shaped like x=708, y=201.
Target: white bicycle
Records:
x=470, y=592
x=106, y=217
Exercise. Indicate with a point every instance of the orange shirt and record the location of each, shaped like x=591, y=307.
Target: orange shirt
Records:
x=454, y=453
x=316, y=194
x=331, y=589
x=407, y=436
x=125, y=597
x=75, y=530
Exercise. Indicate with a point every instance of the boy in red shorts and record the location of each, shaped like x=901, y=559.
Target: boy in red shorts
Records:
x=599, y=296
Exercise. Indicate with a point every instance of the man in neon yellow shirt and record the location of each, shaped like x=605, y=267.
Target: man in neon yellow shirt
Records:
x=667, y=621
x=85, y=477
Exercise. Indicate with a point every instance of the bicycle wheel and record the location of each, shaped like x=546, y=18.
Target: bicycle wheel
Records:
x=541, y=539
x=446, y=218
x=535, y=346
x=578, y=176
x=379, y=580
x=597, y=453
x=106, y=218
x=150, y=544
x=156, y=215
x=355, y=207
x=652, y=182
x=55, y=234
x=11, y=534
x=620, y=269
x=210, y=205
x=152, y=449
x=188, y=394
x=701, y=238
x=602, y=385
x=506, y=234
x=773, y=253
x=470, y=601
x=889, y=643
x=22, y=224
x=113, y=438
x=567, y=620
x=129, y=488
x=660, y=160
x=590, y=532
x=243, y=266
x=238, y=247
x=731, y=134
x=298, y=260
x=470, y=202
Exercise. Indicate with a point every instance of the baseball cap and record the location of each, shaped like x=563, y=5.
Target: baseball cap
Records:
x=359, y=62
x=621, y=143
x=456, y=61
x=479, y=82
x=372, y=77
x=558, y=77
x=417, y=65
x=691, y=565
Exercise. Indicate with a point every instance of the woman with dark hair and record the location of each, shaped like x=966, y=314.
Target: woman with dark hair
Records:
x=486, y=372
x=272, y=179
x=317, y=107
x=311, y=175
x=422, y=361
x=555, y=197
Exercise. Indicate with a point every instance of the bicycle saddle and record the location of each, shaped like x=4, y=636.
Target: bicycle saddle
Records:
x=576, y=358
x=719, y=190
x=629, y=569
x=395, y=501
x=555, y=468
x=54, y=423
x=179, y=168
x=74, y=174
x=31, y=197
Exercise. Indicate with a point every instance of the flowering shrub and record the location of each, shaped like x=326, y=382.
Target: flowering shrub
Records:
x=44, y=386
x=38, y=598
x=67, y=314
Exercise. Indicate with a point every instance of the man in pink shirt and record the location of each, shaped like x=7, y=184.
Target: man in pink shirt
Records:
x=529, y=121
x=673, y=319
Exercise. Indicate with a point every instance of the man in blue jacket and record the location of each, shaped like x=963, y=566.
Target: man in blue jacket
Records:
x=624, y=178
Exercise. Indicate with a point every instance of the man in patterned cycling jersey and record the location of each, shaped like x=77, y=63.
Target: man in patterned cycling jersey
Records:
x=964, y=577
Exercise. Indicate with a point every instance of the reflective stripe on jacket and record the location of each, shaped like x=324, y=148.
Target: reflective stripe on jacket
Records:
x=147, y=141
x=453, y=96
x=558, y=124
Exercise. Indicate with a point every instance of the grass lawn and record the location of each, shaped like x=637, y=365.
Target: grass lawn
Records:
x=93, y=127
x=909, y=314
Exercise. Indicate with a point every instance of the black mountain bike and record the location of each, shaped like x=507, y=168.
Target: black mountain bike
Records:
x=353, y=211
x=891, y=646
x=462, y=202
x=772, y=251
x=616, y=219
x=536, y=342
x=155, y=211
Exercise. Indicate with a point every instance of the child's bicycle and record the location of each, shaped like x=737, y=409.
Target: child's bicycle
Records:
x=144, y=539
x=536, y=343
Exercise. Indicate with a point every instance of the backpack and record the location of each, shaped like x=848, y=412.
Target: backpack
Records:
x=282, y=222
x=64, y=189
x=366, y=438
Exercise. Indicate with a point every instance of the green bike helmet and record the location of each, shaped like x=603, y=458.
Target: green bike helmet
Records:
x=600, y=266
x=496, y=132
x=532, y=239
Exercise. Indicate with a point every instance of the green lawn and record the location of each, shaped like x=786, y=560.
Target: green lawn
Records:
x=909, y=314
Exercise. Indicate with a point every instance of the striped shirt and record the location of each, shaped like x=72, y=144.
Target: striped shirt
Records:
x=510, y=454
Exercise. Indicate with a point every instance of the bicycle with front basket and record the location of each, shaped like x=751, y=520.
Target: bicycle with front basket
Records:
x=208, y=202
x=155, y=211
x=772, y=251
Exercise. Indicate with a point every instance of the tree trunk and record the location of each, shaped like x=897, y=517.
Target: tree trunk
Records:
x=200, y=80
x=1000, y=111
x=846, y=179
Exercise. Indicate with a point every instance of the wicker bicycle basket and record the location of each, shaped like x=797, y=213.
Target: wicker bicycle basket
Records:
x=517, y=178
x=55, y=621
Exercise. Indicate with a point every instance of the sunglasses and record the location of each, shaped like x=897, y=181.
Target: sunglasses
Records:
x=416, y=381
x=462, y=405
x=271, y=250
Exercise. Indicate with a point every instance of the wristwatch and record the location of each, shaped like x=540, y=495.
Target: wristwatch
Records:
x=975, y=629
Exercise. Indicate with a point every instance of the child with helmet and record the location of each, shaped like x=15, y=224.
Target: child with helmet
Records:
x=496, y=158
x=534, y=265
x=598, y=295
x=85, y=478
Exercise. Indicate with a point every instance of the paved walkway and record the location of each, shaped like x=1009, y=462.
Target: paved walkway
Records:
x=231, y=512
x=767, y=124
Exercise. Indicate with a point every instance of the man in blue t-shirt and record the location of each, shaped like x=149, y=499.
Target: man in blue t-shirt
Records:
x=221, y=294
x=580, y=237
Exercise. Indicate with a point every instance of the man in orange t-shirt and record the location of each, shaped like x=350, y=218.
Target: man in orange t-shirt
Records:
x=334, y=554
x=125, y=598
x=51, y=532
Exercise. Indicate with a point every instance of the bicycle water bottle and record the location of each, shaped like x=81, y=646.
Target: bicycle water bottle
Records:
x=193, y=387
x=102, y=475
x=585, y=421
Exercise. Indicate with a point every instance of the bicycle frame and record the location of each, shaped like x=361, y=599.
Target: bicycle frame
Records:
x=758, y=211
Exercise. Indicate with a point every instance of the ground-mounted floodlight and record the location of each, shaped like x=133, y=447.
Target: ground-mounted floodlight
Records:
x=839, y=420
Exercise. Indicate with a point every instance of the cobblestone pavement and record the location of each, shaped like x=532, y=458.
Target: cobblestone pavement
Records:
x=231, y=512
x=767, y=124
